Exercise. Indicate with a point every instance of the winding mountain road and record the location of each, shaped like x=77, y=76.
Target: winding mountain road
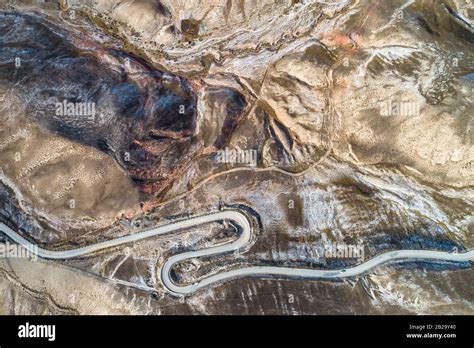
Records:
x=240, y=219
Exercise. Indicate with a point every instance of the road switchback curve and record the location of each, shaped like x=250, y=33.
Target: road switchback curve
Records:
x=243, y=222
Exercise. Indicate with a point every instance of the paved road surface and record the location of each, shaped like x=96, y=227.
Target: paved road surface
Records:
x=240, y=219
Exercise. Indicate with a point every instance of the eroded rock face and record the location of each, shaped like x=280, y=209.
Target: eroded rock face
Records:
x=360, y=112
x=103, y=97
x=323, y=74
x=99, y=97
x=403, y=92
